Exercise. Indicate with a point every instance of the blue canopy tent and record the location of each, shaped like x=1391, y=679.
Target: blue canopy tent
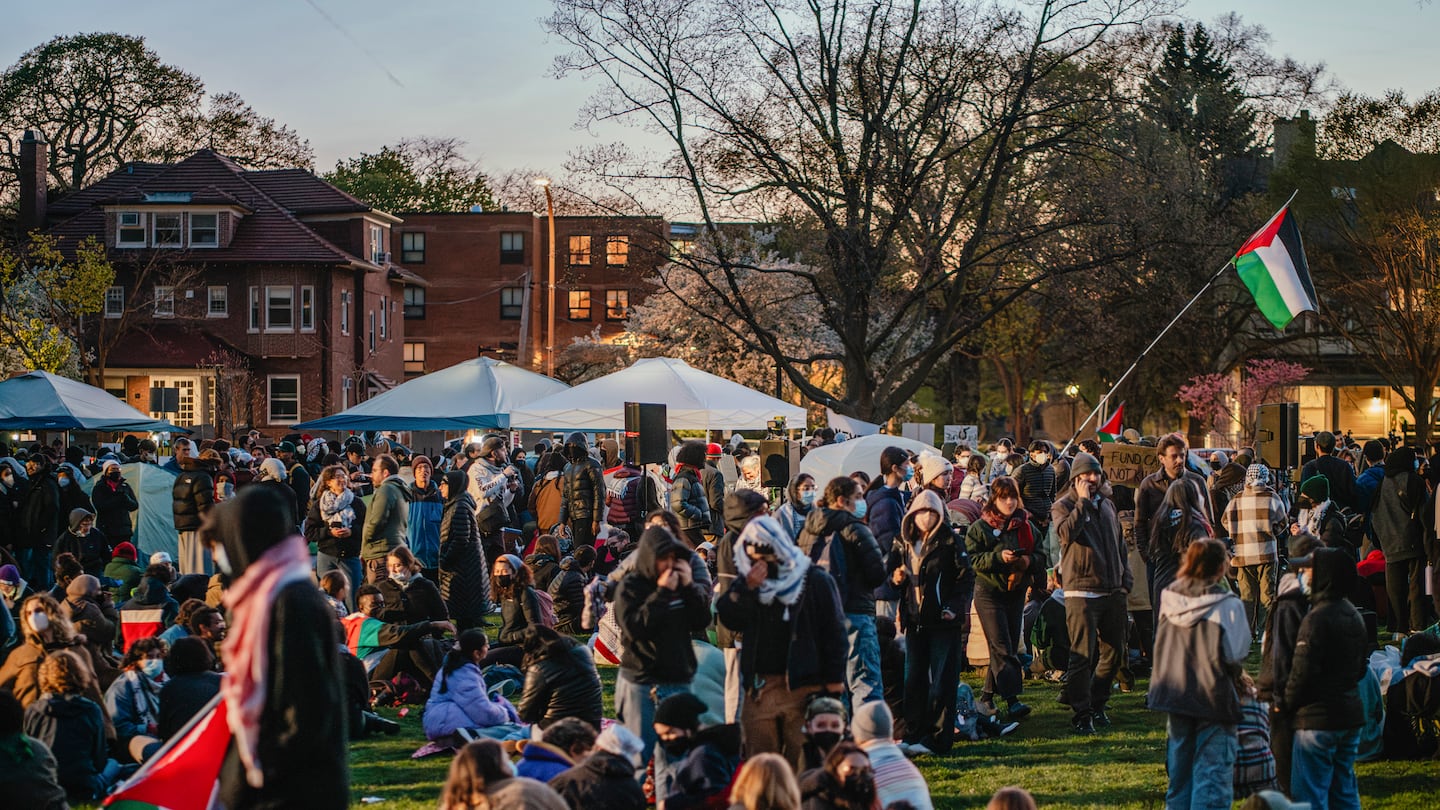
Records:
x=39, y=400
x=478, y=393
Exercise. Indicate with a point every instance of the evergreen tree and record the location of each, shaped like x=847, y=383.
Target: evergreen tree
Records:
x=1193, y=94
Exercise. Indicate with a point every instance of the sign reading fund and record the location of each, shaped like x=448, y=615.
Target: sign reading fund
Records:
x=1127, y=464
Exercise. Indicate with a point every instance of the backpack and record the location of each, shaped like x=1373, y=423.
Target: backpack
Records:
x=547, y=606
x=829, y=554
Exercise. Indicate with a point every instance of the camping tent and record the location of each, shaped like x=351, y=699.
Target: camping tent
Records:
x=478, y=393
x=694, y=400
x=843, y=458
x=39, y=400
x=154, y=521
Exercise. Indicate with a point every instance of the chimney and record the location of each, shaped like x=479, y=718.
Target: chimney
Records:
x=1291, y=136
x=34, y=162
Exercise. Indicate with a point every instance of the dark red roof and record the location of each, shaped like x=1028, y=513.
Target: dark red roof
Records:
x=304, y=193
x=128, y=176
x=166, y=346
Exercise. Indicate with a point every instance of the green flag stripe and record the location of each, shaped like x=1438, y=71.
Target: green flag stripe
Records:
x=1261, y=284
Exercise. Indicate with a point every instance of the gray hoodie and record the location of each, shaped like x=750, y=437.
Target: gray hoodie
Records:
x=1200, y=642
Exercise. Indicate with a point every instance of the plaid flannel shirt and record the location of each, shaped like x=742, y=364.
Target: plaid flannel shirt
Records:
x=1254, y=519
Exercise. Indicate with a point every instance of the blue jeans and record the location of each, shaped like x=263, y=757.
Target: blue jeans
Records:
x=635, y=710
x=34, y=565
x=1322, y=768
x=1200, y=757
x=324, y=564
x=862, y=661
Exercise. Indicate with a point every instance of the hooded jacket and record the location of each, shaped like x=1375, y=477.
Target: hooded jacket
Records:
x=423, y=515
x=944, y=569
x=864, y=565
x=656, y=623
x=1093, y=556
x=464, y=575
x=1200, y=643
x=1278, y=650
x=148, y=612
x=1398, y=506
x=114, y=501
x=73, y=727
x=604, y=781
x=1331, y=653
x=562, y=682
x=582, y=489
x=688, y=501
x=388, y=523
x=793, y=512
x=92, y=548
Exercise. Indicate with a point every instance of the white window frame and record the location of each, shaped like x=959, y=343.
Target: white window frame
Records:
x=376, y=243
x=138, y=225
x=115, y=295
x=164, y=301
x=271, y=290
x=346, y=384
x=179, y=230
x=216, y=228
x=257, y=311
x=224, y=300
x=372, y=331
x=307, y=309
x=270, y=399
x=384, y=318
x=344, y=312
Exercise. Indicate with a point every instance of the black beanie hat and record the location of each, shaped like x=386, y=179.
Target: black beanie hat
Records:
x=681, y=710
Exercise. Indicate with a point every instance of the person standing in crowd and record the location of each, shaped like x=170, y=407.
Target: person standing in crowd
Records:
x=426, y=509
x=658, y=604
x=929, y=566
x=625, y=485
x=334, y=525
x=114, y=501
x=1335, y=469
x=741, y=507
x=713, y=483
x=836, y=538
x=1007, y=562
x=1322, y=692
x=1097, y=580
x=1398, y=528
x=192, y=495
x=545, y=494
x=1256, y=518
x=285, y=700
x=799, y=500
x=1319, y=514
x=387, y=521
x=972, y=485
x=886, y=500
x=1368, y=480
x=788, y=612
x=688, y=498
x=1150, y=493
x=1201, y=642
x=40, y=522
x=464, y=574
x=492, y=485
x=1179, y=521
x=296, y=476
x=1036, y=481
x=1292, y=602
x=582, y=492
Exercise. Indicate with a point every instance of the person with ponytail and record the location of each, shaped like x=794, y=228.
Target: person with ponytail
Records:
x=1201, y=642
x=460, y=699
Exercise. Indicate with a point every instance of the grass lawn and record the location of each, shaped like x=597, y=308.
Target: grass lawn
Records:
x=1123, y=767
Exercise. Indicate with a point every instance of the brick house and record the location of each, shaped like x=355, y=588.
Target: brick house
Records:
x=266, y=297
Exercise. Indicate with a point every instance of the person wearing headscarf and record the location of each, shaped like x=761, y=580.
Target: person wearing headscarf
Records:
x=790, y=613
x=1256, y=518
x=464, y=575
x=285, y=704
x=800, y=497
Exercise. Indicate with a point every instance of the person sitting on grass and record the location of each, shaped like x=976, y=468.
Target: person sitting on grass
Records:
x=847, y=782
x=824, y=729
x=1011, y=798
x=560, y=680
x=190, y=684
x=896, y=777
x=766, y=782
x=133, y=700
x=481, y=777
x=388, y=649
x=564, y=743
x=73, y=727
x=459, y=699
x=27, y=768
x=606, y=779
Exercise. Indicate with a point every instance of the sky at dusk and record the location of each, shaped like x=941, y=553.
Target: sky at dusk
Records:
x=352, y=75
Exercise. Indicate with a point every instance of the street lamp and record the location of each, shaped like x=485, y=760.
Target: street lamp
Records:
x=544, y=182
x=1073, y=392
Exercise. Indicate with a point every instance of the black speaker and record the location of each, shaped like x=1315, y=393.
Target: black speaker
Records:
x=776, y=467
x=164, y=400
x=645, y=433
x=1277, y=435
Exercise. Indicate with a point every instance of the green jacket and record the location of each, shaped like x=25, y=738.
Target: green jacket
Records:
x=387, y=523
x=126, y=575
x=985, y=543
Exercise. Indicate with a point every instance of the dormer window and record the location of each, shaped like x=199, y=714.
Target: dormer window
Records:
x=131, y=230
x=167, y=231
x=204, y=230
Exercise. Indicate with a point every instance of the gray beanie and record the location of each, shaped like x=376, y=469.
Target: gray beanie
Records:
x=1084, y=463
x=873, y=721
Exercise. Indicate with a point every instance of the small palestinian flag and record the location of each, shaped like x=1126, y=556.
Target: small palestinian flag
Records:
x=1272, y=265
x=1111, y=430
x=183, y=775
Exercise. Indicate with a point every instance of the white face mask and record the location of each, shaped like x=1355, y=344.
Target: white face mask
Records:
x=222, y=560
x=40, y=621
x=153, y=668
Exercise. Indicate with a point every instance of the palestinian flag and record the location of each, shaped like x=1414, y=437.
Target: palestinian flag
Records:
x=1272, y=265
x=1111, y=430
x=185, y=774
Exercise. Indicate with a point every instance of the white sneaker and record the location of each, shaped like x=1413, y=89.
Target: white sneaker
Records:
x=918, y=750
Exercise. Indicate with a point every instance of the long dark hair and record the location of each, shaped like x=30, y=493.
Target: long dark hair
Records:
x=1181, y=496
x=471, y=641
x=535, y=641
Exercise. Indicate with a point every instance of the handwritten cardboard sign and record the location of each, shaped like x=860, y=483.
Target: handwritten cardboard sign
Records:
x=1128, y=464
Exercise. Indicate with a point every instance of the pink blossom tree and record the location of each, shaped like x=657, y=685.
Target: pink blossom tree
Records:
x=1213, y=398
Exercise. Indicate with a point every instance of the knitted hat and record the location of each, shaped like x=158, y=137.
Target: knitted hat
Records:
x=161, y=557
x=82, y=586
x=681, y=710
x=824, y=705
x=873, y=721
x=422, y=461
x=1317, y=487
x=933, y=466
x=1219, y=457
x=126, y=550
x=1257, y=475
x=1084, y=463
x=513, y=561
x=9, y=574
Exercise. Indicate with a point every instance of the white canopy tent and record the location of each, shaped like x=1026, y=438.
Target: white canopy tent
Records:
x=862, y=454
x=693, y=399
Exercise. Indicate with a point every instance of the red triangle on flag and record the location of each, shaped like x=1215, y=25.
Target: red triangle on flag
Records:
x=1113, y=427
x=185, y=774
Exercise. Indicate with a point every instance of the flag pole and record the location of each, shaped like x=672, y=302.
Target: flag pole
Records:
x=1105, y=399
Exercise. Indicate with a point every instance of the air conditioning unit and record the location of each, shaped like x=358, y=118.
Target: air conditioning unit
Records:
x=382, y=258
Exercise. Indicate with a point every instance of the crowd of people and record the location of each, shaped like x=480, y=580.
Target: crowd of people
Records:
x=777, y=647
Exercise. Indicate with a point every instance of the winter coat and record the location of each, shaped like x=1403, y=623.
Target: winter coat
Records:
x=544, y=568
x=71, y=495
x=12, y=501
x=542, y=762
x=133, y=702
x=114, y=501
x=885, y=507
x=545, y=502
x=182, y=697
x=28, y=772
x=986, y=542
x=98, y=623
x=688, y=500
x=1223, y=487
x=864, y=565
x=1278, y=650
x=1256, y=519
x=604, y=781
x=582, y=490
x=425, y=512
x=736, y=518
x=562, y=682
x=814, y=632
x=713, y=482
x=516, y=614
x=418, y=600
x=1038, y=485
x=1339, y=474
x=1331, y=652
x=92, y=549
x=21, y=671
x=1396, y=519
x=567, y=592
x=192, y=495
x=387, y=523
x=1201, y=640
x=73, y=728
x=464, y=576
x=40, y=517
x=126, y=574
x=1367, y=487
x=705, y=774
x=1092, y=551
x=136, y=614
x=318, y=532
x=520, y=793
x=944, y=571
x=300, y=483
x=623, y=486
x=656, y=623
x=1151, y=492
x=460, y=700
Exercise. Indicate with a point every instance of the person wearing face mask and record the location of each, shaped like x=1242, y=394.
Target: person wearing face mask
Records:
x=741, y=507
x=846, y=782
x=44, y=630
x=14, y=590
x=409, y=596
x=800, y=498
x=72, y=495
x=114, y=501
x=1292, y=602
x=40, y=522
x=886, y=500
x=1037, y=482
x=133, y=700
x=1320, y=515
x=789, y=612
x=824, y=729
x=703, y=760
x=835, y=538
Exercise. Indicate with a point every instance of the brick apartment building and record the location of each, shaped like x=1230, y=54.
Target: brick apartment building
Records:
x=487, y=282
x=266, y=297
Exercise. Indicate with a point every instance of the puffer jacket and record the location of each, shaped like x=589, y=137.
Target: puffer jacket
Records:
x=656, y=623
x=1038, y=485
x=567, y=593
x=886, y=508
x=582, y=489
x=623, y=485
x=688, y=501
x=464, y=576
x=863, y=562
x=460, y=700
x=1093, y=556
x=561, y=682
x=1331, y=653
x=192, y=495
x=946, y=579
x=40, y=518
x=113, y=505
x=1200, y=644
x=713, y=482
